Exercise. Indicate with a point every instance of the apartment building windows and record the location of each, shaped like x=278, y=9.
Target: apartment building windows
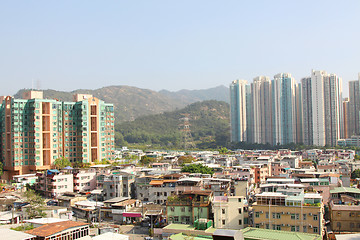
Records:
x=315, y=229
x=315, y=217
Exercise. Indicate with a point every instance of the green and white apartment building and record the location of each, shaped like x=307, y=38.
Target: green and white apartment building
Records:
x=37, y=131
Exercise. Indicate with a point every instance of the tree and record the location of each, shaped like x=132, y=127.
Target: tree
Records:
x=185, y=159
x=1, y=168
x=145, y=160
x=61, y=163
x=78, y=164
x=197, y=168
x=223, y=150
x=36, y=203
x=355, y=174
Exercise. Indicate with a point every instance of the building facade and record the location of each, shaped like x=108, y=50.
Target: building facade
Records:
x=354, y=108
x=303, y=213
x=230, y=212
x=284, y=109
x=238, y=111
x=37, y=131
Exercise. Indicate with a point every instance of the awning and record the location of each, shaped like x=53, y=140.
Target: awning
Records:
x=125, y=214
x=97, y=191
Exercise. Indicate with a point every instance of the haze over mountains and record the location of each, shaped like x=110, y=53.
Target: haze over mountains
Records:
x=132, y=102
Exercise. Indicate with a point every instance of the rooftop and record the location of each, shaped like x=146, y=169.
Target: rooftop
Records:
x=52, y=228
x=259, y=233
x=14, y=235
x=345, y=189
x=45, y=220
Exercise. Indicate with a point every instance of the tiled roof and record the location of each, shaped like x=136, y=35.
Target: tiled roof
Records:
x=52, y=228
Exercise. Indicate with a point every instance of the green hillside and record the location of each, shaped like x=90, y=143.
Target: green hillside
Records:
x=209, y=125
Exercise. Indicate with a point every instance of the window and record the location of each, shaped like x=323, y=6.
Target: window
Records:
x=293, y=216
x=223, y=221
x=239, y=199
x=338, y=224
x=267, y=226
x=257, y=214
x=257, y=225
x=278, y=215
x=267, y=215
x=239, y=210
x=304, y=216
x=278, y=227
x=304, y=229
x=176, y=218
x=183, y=209
x=293, y=229
x=315, y=230
x=352, y=225
x=240, y=222
x=315, y=217
x=223, y=210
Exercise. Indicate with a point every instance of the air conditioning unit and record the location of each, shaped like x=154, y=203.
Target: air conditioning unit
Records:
x=282, y=213
x=283, y=225
x=262, y=224
x=288, y=225
x=288, y=213
x=261, y=212
x=310, y=226
x=310, y=214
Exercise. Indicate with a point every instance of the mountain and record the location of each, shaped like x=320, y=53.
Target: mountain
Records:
x=220, y=93
x=129, y=102
x=207, y=120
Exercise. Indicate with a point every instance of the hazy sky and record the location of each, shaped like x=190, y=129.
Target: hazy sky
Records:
x=168, y=44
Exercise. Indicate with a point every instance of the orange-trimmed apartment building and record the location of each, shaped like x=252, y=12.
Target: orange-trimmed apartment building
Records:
x=35, y=131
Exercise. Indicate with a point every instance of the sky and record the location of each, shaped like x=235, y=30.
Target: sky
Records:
x=163, y=44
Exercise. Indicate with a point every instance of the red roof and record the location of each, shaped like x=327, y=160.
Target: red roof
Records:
x=52, y=228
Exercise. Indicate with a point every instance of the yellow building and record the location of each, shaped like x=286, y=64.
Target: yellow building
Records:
x=344, y=209
x=302, y=213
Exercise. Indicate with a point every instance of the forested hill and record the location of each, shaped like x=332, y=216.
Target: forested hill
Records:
x=209, y=125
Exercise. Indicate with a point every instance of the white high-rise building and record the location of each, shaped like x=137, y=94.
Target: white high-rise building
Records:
x=284, y=109
x=333, y=109
x=238, y=111
x=322, y=109
x=306, y=99
x=262, y=110
x=318, y=107
x=354, y=108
